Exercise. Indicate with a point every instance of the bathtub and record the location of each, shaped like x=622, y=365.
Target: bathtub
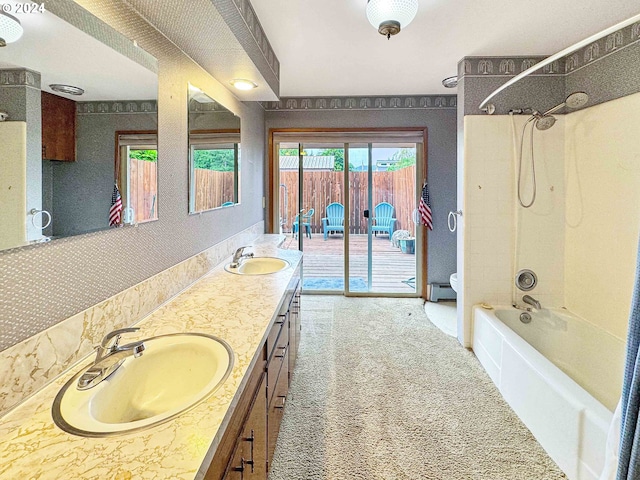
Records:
x=561, y=375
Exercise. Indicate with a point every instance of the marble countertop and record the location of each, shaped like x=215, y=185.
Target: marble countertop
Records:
x=239, y=309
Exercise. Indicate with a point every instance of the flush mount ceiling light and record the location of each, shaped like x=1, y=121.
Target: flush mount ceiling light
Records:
x=450, y=82
x=68, y=89
x=390, y=16
x=242, y=84
x=10, y=29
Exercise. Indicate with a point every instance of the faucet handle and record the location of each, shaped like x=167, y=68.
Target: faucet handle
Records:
x=241, y=249
x=107, y=342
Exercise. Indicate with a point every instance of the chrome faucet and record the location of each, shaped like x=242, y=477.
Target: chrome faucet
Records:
x=109, y=356
x=532, y=301
x=238, y=256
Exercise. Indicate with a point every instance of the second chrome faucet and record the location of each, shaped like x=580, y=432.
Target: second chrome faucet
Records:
x=239, y=255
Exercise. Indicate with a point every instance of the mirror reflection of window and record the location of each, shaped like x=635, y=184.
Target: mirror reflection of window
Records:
x=214, y=169
x=138, y=176
x=214, y=154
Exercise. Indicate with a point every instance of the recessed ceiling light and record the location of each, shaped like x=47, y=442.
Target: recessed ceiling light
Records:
x=68, y=89
x=242, y=84
x=450, y=82
x=10, y=29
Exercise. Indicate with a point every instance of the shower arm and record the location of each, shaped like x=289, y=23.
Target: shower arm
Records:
x=636, y=18
x=554, y=109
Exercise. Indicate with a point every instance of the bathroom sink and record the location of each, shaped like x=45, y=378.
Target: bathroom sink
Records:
x=174, y=374
x=258, y=266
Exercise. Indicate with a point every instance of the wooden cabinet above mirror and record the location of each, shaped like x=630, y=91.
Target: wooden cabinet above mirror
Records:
x=58, y=128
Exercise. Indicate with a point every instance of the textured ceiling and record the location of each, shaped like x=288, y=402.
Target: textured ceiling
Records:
x=223, y=36
x=329, y=48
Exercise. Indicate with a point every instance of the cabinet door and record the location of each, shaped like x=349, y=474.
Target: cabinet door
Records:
x=237, y=466
x=254, y=436
x=58, y=128
x=294, y=332
x=276, y=406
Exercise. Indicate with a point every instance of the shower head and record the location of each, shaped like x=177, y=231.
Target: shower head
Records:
x=545, y=122
x=575, y=100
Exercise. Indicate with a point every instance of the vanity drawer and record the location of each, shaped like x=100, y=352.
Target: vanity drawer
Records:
x=279, y=359
x=275, y=332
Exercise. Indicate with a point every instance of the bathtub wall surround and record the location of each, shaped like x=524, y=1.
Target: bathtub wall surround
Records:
x=30, y=365
x=576, y=237
x=570, y=424
x=42, y=285
x=602, y=211
x=493, y=224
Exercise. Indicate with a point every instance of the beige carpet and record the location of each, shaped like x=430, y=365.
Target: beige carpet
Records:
x=380, y=393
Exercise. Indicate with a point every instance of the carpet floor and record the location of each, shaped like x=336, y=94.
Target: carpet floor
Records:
x=380, y=393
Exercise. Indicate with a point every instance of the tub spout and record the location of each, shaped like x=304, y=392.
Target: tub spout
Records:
x=532, y=301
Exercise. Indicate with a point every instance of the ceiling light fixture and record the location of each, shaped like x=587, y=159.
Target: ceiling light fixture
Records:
x=10, y=29
x=390, y=16
x=242, y=84
x=450, y=82
x=68, y=89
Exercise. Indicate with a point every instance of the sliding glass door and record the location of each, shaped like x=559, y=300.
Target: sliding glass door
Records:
x=348, y=205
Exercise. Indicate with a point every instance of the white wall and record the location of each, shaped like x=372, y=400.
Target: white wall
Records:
x=603, y=211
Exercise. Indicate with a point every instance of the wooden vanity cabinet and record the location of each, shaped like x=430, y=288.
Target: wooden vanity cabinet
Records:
x=249, y=460
x=58, y=128
x=249, y=441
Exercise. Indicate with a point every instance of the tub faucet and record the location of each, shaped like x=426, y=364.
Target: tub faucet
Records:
x=109, y=356
x=238, y=256
x=532, y=301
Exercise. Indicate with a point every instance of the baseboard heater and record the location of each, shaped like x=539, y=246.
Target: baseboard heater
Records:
x=441, y=291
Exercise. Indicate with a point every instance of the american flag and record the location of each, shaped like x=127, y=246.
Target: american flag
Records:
x=425, y=208
x=115, y=212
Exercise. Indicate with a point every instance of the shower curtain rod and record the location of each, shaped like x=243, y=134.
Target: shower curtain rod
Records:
x=559, y=55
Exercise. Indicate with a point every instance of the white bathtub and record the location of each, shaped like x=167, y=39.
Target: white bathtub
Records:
x=557, y=373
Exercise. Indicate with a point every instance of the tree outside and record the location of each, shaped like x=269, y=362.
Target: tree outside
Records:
x=405, y=157
x=220, y=160
x=144, y=155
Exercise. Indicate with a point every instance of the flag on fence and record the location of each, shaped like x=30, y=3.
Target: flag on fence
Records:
x=425, y=208
x=115, y=212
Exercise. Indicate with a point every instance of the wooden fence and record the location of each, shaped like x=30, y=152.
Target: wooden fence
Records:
x=212, y=188
x=143, y=182
x=320, y=188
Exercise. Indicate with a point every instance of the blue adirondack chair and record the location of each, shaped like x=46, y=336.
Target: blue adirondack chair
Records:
x=334, y=220
x=384, y=220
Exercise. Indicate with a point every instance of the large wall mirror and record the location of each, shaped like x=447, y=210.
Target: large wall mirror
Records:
x=214, y=154
x=79, y=142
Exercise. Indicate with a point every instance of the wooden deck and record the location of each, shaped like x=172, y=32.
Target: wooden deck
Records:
x=324, y=260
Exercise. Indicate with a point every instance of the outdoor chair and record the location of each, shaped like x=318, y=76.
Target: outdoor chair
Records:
x=306, y=222
x=227, y=204
x=384, y=220
x=334, y=220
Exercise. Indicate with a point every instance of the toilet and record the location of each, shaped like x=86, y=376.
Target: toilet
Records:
x=453, y=280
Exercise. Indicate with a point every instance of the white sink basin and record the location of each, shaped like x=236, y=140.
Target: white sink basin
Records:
x=259, y=266
x=174, y=374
